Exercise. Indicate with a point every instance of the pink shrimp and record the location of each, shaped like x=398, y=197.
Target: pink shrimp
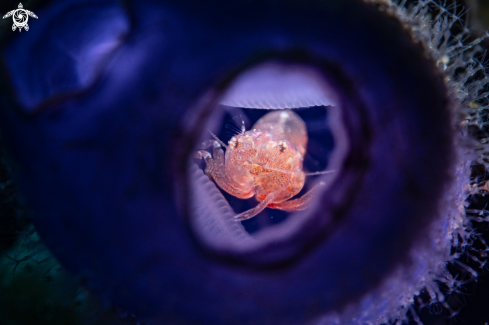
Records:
x=265, y=162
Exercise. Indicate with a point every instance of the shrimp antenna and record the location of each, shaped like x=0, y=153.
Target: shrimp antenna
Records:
x=319, y=173
x=218, y=140
x=243, y=127
x=305, y=174
x=234, y=129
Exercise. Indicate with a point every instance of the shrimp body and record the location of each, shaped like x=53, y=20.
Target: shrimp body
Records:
x=265, y=162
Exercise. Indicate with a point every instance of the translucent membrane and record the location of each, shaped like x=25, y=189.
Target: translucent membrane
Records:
x=274, y=86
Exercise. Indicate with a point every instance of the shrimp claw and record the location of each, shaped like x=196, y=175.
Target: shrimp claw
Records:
x=301, y=203
x=257, y=209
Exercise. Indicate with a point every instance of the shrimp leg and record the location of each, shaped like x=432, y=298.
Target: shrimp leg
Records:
x=254, y=211
x=215, y=168
x=301, y=203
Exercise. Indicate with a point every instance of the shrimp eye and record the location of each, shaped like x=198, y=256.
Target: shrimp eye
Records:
x=282, y=146
x=233, y=143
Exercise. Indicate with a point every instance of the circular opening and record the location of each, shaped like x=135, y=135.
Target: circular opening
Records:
x=270, y=148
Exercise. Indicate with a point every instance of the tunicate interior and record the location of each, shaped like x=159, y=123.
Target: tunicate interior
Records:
x=252, y=94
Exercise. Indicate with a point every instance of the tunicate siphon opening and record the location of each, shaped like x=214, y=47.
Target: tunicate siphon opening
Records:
x=272, y=145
